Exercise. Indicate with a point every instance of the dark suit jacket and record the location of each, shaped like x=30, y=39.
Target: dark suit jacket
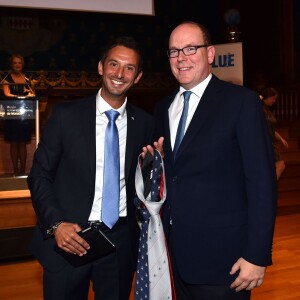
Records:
x=62, y=178
x=221, y=189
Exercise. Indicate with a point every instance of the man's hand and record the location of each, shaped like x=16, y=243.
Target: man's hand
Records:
x=158, y=146
x=250, y=276
x=68, y=240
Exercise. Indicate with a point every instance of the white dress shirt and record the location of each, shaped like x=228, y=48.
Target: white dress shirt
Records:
x=101, y=122
x=175, y=109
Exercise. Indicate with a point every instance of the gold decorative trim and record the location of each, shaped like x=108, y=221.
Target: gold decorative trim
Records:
x=88, y=80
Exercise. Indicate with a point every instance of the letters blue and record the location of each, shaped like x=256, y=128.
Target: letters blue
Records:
x=225, y=60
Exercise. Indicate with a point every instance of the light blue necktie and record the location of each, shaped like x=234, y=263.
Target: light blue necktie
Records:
x=182, y=122
x=111, y=172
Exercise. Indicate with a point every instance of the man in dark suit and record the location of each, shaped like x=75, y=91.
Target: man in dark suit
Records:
x=221, y=185
x=66, y=183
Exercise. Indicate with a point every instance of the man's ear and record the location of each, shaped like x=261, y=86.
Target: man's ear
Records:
x=100, y=68
x=137, y=79
x=210, y=54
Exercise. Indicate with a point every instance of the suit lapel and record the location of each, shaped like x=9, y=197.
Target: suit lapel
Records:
x=89, y=124
x=204, y=111
x=131, y=129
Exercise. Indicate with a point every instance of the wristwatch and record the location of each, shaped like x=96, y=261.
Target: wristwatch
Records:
x=52, y=229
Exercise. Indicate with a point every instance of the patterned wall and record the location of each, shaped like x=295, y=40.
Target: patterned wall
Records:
x=57, y=40
x=72, y=41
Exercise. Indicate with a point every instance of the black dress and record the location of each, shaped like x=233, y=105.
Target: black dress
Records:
x=17, y=130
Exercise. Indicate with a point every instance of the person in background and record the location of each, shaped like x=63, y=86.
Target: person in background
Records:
x=268, y=96
x=18, y=83
x=17, y=132
x=66, y=182
x=220, y=209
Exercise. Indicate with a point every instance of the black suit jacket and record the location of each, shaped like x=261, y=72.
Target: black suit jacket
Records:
x=62, y=178
x=221, y=189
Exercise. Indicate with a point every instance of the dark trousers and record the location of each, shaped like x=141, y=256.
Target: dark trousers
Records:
x=111, y=276
x=185, y=291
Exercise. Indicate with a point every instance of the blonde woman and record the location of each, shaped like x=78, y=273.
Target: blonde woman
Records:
x=17, y=132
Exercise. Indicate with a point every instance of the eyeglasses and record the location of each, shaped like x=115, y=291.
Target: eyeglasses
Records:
x=189, y=50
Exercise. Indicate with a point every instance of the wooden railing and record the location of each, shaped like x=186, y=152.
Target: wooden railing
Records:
x=87, y=80
x=287, y=106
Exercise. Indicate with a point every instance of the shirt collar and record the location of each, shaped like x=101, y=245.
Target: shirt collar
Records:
x=102, y=106
x=199, y=88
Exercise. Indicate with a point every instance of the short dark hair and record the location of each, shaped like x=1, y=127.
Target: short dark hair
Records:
x=205, y=33
x=128, y=42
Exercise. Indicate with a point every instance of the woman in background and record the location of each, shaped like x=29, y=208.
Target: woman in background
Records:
x=269, y=96
x=17, y=132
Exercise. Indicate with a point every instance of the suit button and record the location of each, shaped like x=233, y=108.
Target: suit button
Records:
x=90, y=196
x=174, y=178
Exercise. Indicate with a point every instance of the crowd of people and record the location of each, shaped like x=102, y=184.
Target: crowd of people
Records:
x=221, y=168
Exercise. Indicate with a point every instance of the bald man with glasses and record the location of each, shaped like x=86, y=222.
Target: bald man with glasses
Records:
x=220, y=209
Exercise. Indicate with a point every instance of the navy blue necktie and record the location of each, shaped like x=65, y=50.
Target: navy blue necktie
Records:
x=142, y=275
x=111, y=172
x=182, y=122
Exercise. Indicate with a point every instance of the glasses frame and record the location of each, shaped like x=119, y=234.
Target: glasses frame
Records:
x=182, y=49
